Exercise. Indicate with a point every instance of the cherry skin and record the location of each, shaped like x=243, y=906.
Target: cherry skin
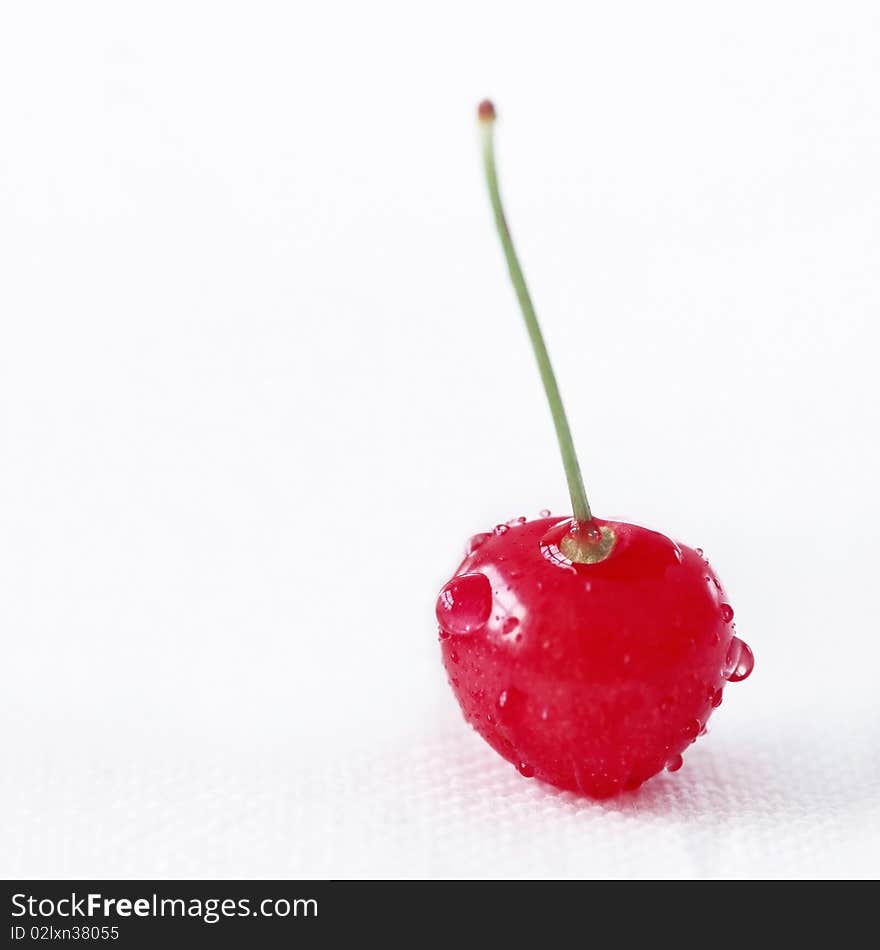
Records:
x=590, y=676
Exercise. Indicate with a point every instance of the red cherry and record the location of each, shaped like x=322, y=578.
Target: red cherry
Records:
x=588, y=653
x=610, y=670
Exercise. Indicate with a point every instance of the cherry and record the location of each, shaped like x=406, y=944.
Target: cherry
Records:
x=589, y=653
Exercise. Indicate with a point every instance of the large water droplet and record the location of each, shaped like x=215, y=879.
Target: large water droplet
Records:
x=740, y=661
x=675, y=763
x=726, y=613
x=717, y=697
x=478, y=540
x=465, y=603
x=526, y=769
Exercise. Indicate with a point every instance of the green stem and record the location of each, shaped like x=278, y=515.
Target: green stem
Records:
x=579, y=504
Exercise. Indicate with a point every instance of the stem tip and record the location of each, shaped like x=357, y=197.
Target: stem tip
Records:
x=486, y=111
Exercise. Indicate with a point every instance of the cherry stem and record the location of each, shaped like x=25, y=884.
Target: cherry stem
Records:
x=579, y=504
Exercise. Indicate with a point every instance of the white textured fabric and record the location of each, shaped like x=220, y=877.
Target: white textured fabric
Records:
x=782, y=802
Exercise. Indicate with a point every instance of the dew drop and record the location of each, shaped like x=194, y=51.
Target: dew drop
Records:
x=453, y=656
x=444, y=634
x=591, y=534
x=478, y=540
x=525, y=769
x=521, y=519
x=740, y=661
x=726, y=613
x=490, y=718
x=706, y=729
x=692, y=729
x=512, y=706
x=544, y=512
x=717, y=696
x=501, y=529
x=699, y=551
x=464, y=604
x=509, y=625
x=674, y=764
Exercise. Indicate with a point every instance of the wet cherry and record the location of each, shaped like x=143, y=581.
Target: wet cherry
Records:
x=588, y=653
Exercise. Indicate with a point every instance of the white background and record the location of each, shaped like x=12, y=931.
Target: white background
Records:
x=261, y=374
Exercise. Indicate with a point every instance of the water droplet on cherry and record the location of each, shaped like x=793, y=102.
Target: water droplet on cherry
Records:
x=544, y=512
x=699, y=551
x=591, y=534
x=674, y=764
x=509, y=625
x=691, y=729
x=465, y=604
x=501, y=529
x=525, y=770
x=740, y=661
x=726, y=613
x=717, y=697
x=521, y=519
x=478, y=540
x=511, y=705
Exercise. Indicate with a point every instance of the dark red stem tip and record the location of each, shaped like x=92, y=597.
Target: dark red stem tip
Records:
x=486, y=111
